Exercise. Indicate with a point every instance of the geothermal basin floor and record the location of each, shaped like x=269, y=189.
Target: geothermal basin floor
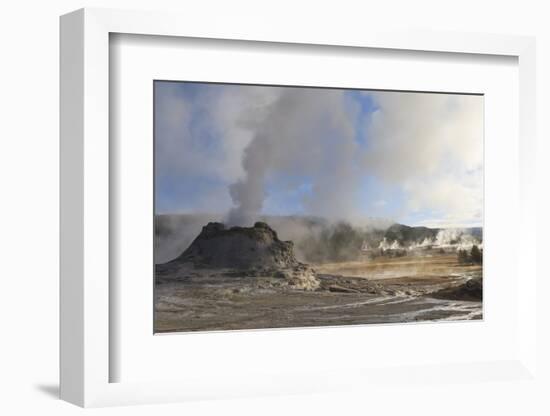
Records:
x=373, y=291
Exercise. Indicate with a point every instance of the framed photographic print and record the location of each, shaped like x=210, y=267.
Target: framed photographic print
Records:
x=334, y=203
x=280, y=206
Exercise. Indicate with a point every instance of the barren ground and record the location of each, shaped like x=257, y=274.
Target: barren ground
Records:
x=380, y=290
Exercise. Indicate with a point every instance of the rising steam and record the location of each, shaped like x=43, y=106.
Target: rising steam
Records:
x=305, y=134
x=249, y=140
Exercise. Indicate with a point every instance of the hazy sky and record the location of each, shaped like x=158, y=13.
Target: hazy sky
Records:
x=244, y=151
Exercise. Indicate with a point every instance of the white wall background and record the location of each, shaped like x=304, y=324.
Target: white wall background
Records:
x=29, y=205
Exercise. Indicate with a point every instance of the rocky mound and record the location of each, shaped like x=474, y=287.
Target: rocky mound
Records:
x=239, y=248
x=471, y=290
x=247, y=251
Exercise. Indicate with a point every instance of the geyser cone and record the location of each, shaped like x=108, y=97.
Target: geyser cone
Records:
x=239, y=248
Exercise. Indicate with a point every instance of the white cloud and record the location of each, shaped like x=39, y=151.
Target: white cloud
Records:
x=432, y=146
x=226, y=112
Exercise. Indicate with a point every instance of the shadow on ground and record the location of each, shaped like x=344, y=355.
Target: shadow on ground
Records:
x=51, y=390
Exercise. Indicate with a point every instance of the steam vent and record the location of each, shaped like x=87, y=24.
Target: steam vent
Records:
x=248, y=251
x=239, y=248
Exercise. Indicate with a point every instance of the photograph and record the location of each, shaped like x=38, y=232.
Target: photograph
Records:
x=295, y=206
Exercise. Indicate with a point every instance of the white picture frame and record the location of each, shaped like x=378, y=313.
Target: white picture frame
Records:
x=86, y=356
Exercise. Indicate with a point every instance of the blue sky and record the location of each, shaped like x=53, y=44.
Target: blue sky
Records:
x=346, y=154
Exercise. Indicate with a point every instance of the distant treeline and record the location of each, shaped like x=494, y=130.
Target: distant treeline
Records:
x=472, y=256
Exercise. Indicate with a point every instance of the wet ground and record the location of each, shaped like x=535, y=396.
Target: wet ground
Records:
x=381, y=290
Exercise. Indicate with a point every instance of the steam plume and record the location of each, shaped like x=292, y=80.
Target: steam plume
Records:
x=305, y=134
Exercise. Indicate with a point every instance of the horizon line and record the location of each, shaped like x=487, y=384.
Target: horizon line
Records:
x=427, y=224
